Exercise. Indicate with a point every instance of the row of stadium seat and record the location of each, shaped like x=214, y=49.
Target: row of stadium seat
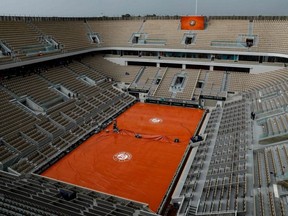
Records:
x=36, y=195
x=226, y=183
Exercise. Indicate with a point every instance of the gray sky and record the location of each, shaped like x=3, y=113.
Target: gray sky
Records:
x=80, y=8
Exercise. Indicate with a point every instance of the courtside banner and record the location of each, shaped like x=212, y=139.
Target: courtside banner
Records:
x=192, y=23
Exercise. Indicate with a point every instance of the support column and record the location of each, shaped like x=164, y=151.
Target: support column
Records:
x=265, y=58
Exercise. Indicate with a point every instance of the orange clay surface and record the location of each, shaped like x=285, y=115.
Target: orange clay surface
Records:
x=140, y=169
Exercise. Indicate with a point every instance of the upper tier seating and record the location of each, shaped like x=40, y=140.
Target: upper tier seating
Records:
x=115, y=32
x=26, y=37
x=19, y=36
x=73, y=35
x=272, y=36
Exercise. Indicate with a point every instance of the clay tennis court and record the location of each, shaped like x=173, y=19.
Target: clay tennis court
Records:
x=140, y=169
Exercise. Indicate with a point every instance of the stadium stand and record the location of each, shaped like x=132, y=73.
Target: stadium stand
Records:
x=114, y=71
x=74, y=36
x=270, y=42
x=162, y=33
x=13, y=36
x=35, y=195
x=112, y=31
x=169, y=88
x=20, y=41
x=224, y=180
x=166, y=83
x=34, y=87
x=55, y=109
x=71, y=89
x=145, y=79
x=188, y=91
x=214, y=83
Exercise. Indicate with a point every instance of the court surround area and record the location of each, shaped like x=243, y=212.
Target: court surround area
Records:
x=139, y=161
